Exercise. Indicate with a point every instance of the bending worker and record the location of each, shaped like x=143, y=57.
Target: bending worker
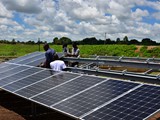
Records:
x=57, y=65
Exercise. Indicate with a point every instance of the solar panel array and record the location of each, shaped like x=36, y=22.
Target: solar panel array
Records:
x=32, y=59
x=80, y=96
x=135, y=105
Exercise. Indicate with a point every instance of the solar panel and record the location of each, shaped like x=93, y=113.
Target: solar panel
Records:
x=66, y=90
x=18, y=76
x=8, y=67
x=25, y=57
x=136, y=105
x=94, y=97
x=36, y=62
x=12, y=71
x=28, y=80
x=31, y=59
x=60, y=54
x=3, y=65
x=46, y=84
x=40, y=60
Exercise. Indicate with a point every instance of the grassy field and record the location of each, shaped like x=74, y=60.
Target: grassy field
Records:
x=85, y=50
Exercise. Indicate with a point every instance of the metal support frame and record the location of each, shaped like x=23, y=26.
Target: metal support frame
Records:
x=33, y=109
x=133, y=64
x=142, y=59
x=148, y=71
x=119, y=74
x=88, y=65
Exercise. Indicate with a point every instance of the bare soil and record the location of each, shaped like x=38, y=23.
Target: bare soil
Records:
x=139, y=47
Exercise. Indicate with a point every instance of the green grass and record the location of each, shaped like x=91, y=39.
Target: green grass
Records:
x=16, y=50
x=154, y=52
x=85, y=50
x=110, y=50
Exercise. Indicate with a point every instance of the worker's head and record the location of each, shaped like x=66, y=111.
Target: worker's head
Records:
x=46, y=46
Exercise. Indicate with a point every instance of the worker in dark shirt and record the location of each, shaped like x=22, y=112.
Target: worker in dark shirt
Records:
x=50, y=56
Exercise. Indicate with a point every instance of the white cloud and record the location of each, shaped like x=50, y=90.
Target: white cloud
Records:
x=77, y=19
x=24, y=6
x=3, y=28
x=138, y=14
x=157, y=15
x=6, y=21
x=119, y=10
x=4, y=12
x=86, y=13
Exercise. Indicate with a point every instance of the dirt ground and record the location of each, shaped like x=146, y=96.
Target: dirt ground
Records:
x=139, y=47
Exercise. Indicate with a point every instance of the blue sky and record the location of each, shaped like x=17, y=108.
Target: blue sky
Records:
x=26, y=20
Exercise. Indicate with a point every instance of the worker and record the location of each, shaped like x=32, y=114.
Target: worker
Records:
x=50, y=56
x=75, y=53
x=75, y=50
x=65, y=50
x=57, y=65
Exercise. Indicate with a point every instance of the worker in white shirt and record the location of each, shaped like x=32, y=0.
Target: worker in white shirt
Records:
x=57, y=65
x=75, y=53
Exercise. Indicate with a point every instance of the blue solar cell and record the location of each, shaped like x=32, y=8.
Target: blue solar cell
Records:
x=46, y=84
x=3, y=65
x=8, y=67
x=36, y=62
x=66, y=90
x=92, y=98
x=25, y=57
x=28, y=60
x=12, y=71
x=132, y=106
x=29, y=80
x=18, y=76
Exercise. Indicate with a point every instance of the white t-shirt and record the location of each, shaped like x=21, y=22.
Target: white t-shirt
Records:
x=75, y=52
x=57, y=65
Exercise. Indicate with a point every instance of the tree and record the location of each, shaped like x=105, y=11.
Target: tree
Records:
x=148, y=41
x=65, y=40
x=13, y=41
x=30, y=42
x=91, y=41
x=125, y=40
x=56, y=41
x=118, y=41
x=134, y=41
x=108, y=41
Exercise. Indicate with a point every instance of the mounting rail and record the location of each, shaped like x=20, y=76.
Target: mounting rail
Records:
x=153, y=79
x=134, y=64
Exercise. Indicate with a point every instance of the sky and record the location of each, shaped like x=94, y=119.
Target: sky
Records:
x=25, y=20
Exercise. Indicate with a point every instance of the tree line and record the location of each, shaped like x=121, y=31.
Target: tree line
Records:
x=87, y=41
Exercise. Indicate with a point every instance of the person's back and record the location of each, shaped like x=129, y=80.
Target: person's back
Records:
x=49, y=55
x=57, y=65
